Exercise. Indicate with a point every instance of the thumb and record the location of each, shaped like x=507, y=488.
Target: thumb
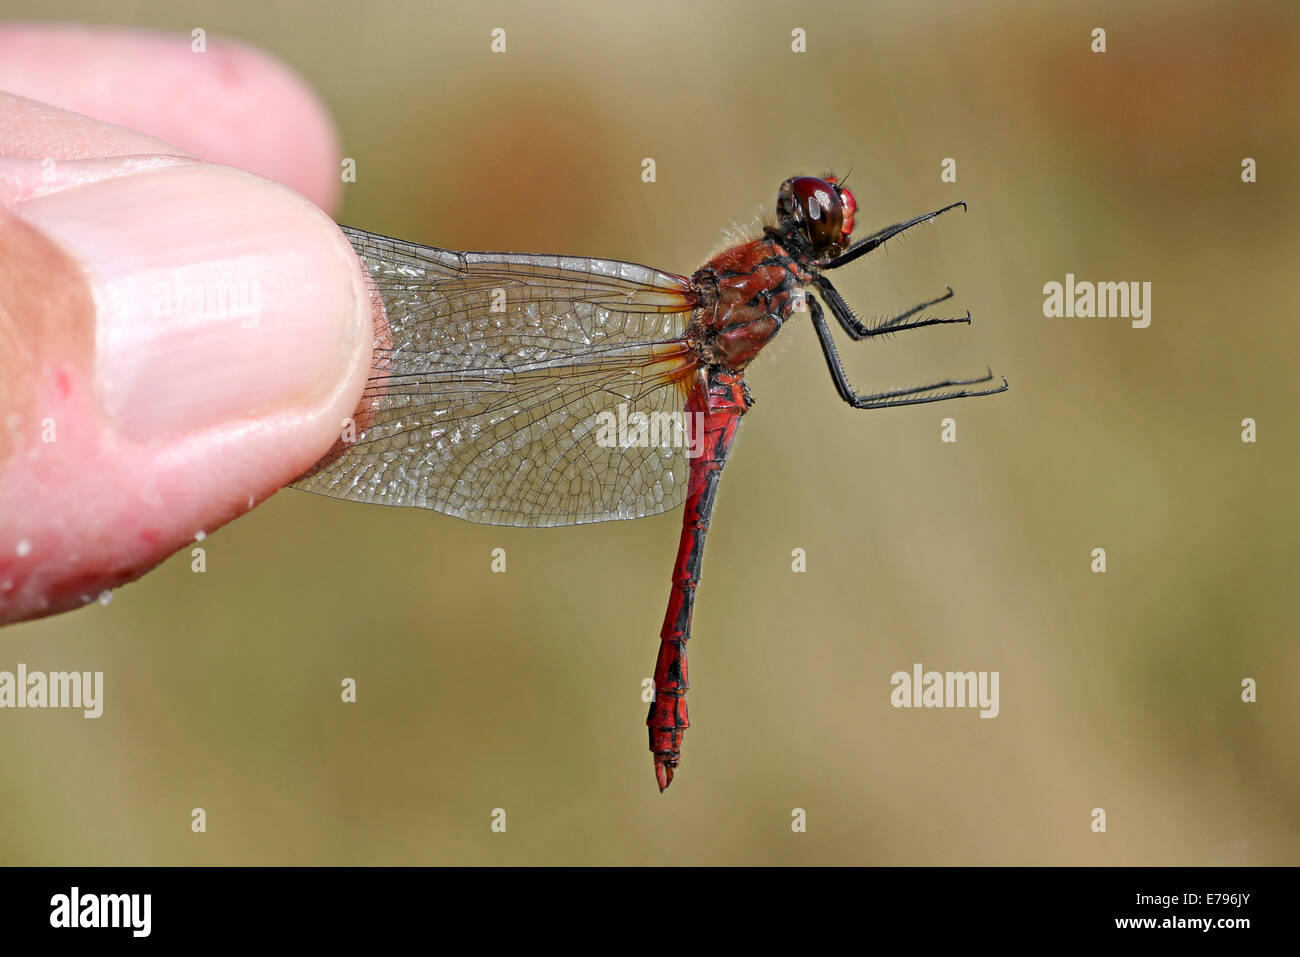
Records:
x=177, y=341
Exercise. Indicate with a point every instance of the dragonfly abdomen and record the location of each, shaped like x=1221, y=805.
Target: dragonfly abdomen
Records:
x=720, y=399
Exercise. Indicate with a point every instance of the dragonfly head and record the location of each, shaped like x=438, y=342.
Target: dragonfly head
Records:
x=815, y=216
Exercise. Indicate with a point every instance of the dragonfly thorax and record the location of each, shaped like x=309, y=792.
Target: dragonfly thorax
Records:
x=745, y=294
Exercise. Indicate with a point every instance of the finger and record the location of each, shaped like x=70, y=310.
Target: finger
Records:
x=229, y=104
x=37, y=141
x=177, y=341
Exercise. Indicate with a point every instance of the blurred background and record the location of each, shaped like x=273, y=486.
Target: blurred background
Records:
x=522, y=690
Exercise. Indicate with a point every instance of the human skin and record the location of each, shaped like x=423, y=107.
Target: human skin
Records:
x=133, y=418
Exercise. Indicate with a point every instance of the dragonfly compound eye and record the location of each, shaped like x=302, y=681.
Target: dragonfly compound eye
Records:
x=816, y=208
x=850, y=208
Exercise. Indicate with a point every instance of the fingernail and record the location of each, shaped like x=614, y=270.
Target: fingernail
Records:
x=219, y=296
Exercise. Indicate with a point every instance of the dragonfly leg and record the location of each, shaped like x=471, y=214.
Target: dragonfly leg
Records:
x=857, y=329
x=884, y=400
x=867, y=243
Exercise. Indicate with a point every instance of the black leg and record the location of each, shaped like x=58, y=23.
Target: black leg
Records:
x=868, y=243
x=885, y=400
x=857, y=329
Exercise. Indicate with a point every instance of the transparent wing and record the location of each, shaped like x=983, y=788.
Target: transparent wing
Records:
x=500, y=384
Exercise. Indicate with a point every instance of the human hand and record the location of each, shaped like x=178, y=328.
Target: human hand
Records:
x=178, y=339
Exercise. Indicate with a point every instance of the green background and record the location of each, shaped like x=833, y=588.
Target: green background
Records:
x=523, y=690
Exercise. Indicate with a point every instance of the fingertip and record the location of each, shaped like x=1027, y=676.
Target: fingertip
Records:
x=241, y=106
x=147, y=414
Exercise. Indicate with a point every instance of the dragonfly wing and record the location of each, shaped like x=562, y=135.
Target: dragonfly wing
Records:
x=510, y=389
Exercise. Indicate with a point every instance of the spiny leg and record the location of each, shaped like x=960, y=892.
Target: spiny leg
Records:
x=897, y=397
x=868, y=243
x=857, y=329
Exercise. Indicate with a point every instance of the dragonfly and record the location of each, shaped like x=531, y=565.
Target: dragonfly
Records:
x=544, y=390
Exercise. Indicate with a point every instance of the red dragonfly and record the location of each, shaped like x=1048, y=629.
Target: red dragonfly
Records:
x=533, y=390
